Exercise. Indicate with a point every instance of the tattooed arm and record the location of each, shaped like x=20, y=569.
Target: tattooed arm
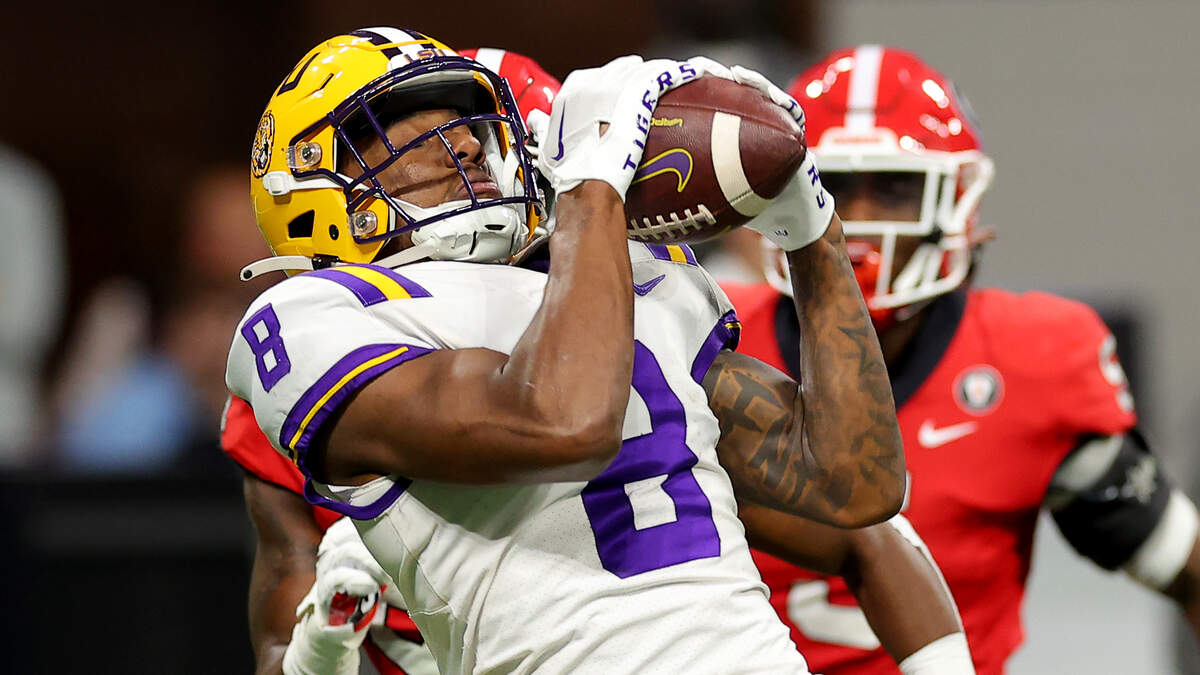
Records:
x=829, y=447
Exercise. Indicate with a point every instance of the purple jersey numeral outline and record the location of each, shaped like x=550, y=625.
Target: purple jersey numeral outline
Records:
x=623, y=549
x=271, y=344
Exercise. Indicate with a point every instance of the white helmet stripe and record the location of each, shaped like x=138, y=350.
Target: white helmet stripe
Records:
x=490, y=58
x=393, y=34
x=864, y=88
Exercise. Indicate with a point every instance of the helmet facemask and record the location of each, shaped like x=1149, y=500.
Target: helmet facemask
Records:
x=475, y=228
x=944, y=188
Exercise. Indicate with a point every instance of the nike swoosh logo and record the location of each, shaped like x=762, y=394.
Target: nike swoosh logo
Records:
x=643, y=289
x=562, y=119
x=930, y=436
x=676, y=160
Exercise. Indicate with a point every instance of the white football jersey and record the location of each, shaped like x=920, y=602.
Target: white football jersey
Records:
x=644, y=569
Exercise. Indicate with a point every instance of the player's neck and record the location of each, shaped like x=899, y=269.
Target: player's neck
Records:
x=899, y=337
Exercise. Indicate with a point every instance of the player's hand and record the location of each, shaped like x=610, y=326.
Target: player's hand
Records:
x=600, y=120
x=751, y=78
x=802, y=211
x=800, y=214
x=336, y=612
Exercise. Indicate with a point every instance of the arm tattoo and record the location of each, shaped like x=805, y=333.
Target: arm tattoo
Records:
x=829, y=447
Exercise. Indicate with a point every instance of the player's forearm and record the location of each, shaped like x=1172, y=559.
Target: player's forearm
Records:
x=849, y=437
x=586, y=318
x=899, y=591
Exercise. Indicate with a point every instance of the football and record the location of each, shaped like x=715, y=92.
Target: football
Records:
x=716, y=154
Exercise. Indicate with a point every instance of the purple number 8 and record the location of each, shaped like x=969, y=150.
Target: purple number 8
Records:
x=624, y=549
x=272, y=344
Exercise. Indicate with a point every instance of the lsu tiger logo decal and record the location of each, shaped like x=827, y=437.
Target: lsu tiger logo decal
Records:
x=264, y=141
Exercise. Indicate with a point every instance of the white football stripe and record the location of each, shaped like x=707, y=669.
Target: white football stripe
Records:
x=727, y=164
x=490, y=58
x=864, y=88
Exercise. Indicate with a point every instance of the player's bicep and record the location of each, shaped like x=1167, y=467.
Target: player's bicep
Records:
x=757, y=408
x=433, y=418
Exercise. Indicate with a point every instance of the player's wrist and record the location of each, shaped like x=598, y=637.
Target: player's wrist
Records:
x=801, y=214
x=947, y=655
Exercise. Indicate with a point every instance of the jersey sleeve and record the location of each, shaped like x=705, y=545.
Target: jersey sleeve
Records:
x=1091, y=394
x=309, y=343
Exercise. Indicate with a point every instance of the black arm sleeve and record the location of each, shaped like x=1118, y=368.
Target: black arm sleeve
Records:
x=1110, y=518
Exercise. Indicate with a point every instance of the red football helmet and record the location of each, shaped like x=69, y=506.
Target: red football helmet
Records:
x=533, y=88
x=881, y=119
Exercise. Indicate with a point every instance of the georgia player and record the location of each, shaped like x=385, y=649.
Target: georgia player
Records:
x=289, y=530
x=1008, y=403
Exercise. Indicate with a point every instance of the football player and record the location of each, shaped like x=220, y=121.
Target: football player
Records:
x=289, y=530
x=531, y=512
x=1008, y=403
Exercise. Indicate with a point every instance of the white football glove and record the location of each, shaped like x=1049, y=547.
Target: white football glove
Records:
x=339, y=607
x=803, y=210
x=621, y=94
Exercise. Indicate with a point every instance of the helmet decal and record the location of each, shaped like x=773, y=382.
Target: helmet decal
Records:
x=264, y=140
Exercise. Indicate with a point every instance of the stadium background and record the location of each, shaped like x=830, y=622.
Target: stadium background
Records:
x=1088, y=108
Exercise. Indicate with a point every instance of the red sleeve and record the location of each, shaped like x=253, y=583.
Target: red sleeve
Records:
x=1091, y=395
x=242, y=440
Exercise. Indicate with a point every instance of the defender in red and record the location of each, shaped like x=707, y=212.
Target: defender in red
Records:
x=1008, y=403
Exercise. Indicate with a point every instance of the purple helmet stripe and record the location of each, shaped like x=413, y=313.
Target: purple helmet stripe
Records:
x=347, y=376
x=377, y=39
x=724, y=335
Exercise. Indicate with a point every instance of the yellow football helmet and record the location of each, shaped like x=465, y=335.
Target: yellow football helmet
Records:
x=343, y=94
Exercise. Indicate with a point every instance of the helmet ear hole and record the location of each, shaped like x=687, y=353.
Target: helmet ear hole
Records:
x=301, y=225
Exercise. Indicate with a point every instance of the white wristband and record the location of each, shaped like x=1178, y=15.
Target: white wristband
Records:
x=947, y=655
x=1164, y=553
x=800, y=214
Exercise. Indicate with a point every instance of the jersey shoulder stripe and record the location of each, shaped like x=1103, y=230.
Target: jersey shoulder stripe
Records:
x=372, y=284
x=679, y=253
x=349, y=374
x=724, y=335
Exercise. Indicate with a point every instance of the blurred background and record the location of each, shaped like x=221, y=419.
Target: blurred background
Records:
x=124, y=138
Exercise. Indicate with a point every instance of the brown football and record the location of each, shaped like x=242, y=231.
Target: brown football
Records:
x=717, y=152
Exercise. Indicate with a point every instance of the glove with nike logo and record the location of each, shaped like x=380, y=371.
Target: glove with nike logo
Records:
x=600, y=120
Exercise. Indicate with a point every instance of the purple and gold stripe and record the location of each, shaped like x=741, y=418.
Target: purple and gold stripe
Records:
x=346, y=376
x=679, y=253
x=724, y=335
x=371, y=284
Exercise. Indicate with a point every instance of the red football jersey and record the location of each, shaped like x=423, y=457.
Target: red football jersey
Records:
x=995, y=394
x=244, y=441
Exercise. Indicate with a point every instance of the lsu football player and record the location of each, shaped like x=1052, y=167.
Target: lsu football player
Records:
x=290, y=545
x=993, y=433
x=535, y=511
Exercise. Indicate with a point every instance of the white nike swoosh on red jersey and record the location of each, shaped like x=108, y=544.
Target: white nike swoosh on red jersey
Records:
x=930, y=436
